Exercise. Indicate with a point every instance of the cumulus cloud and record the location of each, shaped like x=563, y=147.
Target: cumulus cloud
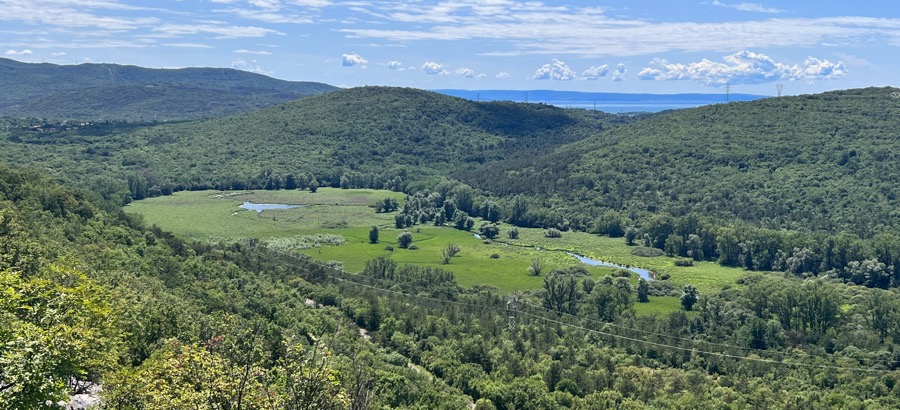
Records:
x=251, y=66
x=595, y=73
x=350, y=60
x=743, y=67
x=395, y=65
x=18, y=53
x=465, y=72
x=619, y=74
x=753, y=7
x=502, y=75
x=558, y=70
x=433, y=68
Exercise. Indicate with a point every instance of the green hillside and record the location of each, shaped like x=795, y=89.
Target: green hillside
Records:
x=116, y=92
x=824, y=162
x=376, y=137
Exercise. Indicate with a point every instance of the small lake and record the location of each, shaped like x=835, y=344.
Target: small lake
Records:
x=265, y=207
x=588, y=261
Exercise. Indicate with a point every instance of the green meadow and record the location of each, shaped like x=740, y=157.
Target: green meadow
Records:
x=350, y=213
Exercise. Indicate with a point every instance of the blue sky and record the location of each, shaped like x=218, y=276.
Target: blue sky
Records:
x=601, y=46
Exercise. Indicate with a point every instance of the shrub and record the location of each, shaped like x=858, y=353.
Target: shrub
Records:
x=646, y=252
x=553, y=233
x=684, y=262
x=495, y=256
x=389, y=248
x=412, y=247
x=405, y=239
x=513, y=233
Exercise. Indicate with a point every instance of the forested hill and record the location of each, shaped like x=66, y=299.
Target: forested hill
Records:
x=117, y=92
x=823, y=162
x=371, y=135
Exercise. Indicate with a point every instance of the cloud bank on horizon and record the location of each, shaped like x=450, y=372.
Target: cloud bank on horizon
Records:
x=709, y=43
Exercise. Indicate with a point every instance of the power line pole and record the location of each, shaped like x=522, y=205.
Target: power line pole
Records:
x=511, y=311
x=727, y=92
x=780, y=87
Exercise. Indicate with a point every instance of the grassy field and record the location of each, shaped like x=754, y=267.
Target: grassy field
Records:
x=349, y=214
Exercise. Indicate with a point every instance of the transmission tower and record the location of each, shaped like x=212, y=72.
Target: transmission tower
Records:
x=727, y=92
x=511, y=310
x=780, y=87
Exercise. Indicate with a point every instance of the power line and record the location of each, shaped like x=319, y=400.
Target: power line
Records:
x=600, y=332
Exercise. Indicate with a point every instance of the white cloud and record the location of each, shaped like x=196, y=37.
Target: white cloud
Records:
x=557, y=70
x=25, y=52
x=261, y=53
x=59, y=54
x=619, y=74
x=395, y=65
x=251, y=66
x=595, y=73
x=350, y=60
x=743, y=67
x=753, y=7
x=222, y=31
x=481, y=75
x=465, y=72
x=502, y=75
x=187, y=45
x=433, y=68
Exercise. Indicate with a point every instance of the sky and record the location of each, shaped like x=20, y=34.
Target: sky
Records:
x=634, y=46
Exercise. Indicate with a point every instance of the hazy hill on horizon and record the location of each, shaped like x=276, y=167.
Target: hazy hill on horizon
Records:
x=122, y=92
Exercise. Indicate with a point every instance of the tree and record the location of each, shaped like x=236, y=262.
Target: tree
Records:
x=490, y=231
x=561, y=292
x=449, y=251
x=690, y=296
x=630, y=234
x=373, y=235
x=313, y=185
x=513, y=233
x=536, y=267
x=405, y=239
x=643, y=290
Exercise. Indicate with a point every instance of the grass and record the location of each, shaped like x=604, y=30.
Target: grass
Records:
x=346, y=215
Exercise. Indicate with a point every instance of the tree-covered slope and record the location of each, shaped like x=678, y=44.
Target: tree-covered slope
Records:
x=373, y=135
x=823, y=162
x=116, y=92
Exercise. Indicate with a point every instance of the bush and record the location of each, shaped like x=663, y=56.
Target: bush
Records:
x=684, y=262
x=412, y=247
x=495, y=256
x=389, y=248
x=646, y=252
x=405, y=239
x=513, y=233
x=664, y=276
x=553, y=233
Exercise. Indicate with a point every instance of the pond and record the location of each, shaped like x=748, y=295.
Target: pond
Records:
x=265, y=207
x=593, y=262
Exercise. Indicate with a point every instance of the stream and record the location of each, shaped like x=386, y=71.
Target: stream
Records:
x=644, y=273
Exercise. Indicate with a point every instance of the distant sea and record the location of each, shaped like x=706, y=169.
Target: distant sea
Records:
x=614, y=103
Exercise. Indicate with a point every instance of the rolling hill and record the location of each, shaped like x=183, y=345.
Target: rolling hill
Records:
x=822, y=162
x=117, y=92
x=375, y=133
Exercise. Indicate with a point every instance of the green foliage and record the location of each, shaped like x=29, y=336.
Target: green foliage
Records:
x=373, y=235
x=116, y=92
x=405, y=239
x=689, y=297
x=536, y=267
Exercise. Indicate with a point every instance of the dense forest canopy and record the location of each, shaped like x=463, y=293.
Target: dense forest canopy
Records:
x=117, y=92
x=803, y=185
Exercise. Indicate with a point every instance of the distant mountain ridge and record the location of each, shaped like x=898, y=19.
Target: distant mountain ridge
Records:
x=117, y=92
x=585, y=98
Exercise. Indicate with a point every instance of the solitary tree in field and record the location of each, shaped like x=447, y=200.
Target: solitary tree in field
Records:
x=449, y=251
x=513, y=233
x=373, y=235
x=630, y=234
x=405, y=239
x=313, y=185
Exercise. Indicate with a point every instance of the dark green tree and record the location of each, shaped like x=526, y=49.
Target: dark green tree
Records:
x=373, y=235
x=689, y=297
x=405, y=239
